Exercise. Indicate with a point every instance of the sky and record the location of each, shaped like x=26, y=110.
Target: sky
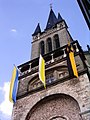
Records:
x=18, y=20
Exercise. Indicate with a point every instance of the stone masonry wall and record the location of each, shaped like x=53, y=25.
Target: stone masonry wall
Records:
x=79, y=89
x=55, y=106
x=63, y=39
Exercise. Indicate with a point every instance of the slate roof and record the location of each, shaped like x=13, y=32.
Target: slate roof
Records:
x=52, y=20
x=59, y=17
x=37, y=30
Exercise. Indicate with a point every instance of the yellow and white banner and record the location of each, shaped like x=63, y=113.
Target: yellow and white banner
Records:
x=42, y=70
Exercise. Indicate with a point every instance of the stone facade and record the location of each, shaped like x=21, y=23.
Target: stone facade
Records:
x=76, y=90
x=65, y=97
x=61, y=30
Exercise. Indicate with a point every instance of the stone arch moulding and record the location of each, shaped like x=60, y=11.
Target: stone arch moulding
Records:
x=34, y=82
x=48, y=108
x=59, y=118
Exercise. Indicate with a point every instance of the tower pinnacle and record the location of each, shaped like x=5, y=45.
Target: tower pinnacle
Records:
x=37, y=30
x=50, y=6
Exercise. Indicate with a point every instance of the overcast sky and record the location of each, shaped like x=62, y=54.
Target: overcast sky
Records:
x=18, y=20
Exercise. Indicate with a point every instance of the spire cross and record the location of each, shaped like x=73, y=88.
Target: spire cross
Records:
x=50, y=5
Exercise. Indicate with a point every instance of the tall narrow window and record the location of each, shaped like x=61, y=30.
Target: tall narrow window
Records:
x=56, y=41
x=42, y=48
x=49, y=45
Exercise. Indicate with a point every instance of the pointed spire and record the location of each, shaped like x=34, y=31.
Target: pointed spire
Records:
x=52, y=20
x=50, y=6
x=37, y=30
x=59, y=17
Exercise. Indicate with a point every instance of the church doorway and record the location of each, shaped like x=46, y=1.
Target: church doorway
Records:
x=55, y=107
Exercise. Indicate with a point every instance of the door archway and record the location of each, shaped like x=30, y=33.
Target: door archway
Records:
x=55, y=105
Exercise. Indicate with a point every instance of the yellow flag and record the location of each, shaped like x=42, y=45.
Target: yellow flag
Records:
x=74, y=68
x=13, y=85
x=42, y=70
x=71, y=61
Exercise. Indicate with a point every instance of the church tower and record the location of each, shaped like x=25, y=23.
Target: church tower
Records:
x=65, y=97
x=54, y=36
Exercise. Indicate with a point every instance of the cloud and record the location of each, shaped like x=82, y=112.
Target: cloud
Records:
x=4, y=117
x=13, y=30
x=6, y=106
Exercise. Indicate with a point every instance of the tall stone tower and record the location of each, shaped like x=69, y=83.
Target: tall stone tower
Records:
x=65, y=97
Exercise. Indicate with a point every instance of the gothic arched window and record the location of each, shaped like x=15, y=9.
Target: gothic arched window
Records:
x=56, y=41
x=49, y=45
x=42, y=51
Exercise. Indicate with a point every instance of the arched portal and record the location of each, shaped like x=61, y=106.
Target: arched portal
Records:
x=55, y=107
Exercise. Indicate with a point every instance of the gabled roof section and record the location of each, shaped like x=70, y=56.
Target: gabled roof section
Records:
x=52, y=20
x=59, y=17
x=37, y=30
